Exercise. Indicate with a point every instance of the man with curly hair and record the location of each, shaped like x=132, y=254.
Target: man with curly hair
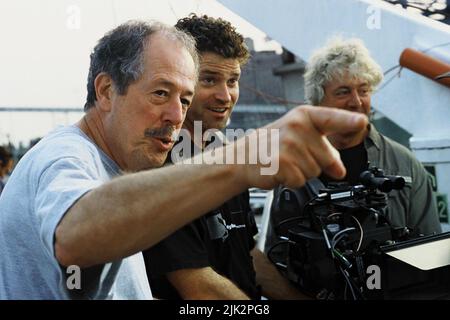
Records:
x=214, y=256
x=343, y=75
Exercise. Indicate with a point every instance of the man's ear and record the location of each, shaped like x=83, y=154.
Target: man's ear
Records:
x=103, y=90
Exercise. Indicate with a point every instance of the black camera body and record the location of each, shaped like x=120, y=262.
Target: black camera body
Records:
x=340, y=236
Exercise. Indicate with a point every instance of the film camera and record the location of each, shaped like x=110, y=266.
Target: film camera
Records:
x=341, y=245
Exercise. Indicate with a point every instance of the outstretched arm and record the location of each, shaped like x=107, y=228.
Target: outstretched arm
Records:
x=135, y=211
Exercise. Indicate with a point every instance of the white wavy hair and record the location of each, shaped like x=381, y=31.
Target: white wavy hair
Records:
x=337, y=57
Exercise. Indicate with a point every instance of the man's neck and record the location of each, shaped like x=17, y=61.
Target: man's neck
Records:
x=92, y=125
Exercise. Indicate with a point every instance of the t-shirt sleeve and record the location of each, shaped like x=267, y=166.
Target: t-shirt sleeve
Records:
x=59, y=186
x=184, y=249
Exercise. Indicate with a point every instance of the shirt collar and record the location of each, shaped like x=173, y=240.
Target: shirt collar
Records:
x=373, y=138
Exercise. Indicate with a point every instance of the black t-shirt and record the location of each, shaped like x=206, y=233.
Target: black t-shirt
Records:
x=221, y=239
x=355, y=161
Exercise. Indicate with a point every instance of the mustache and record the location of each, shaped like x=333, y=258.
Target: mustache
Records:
x=163, y=132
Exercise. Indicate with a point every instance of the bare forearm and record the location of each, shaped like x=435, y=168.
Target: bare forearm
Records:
x=223, y=289
x=274, y=285
x=135, y=211
x=204, y=284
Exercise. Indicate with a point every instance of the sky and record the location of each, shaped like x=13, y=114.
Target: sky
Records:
x=46, y=44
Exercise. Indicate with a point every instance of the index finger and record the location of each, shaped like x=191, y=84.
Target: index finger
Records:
x=330, y=120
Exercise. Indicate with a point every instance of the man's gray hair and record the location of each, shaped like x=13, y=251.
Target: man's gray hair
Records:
x=338, y=58
x=120, y=54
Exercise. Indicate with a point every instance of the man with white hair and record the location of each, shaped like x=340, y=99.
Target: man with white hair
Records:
x=343, y=75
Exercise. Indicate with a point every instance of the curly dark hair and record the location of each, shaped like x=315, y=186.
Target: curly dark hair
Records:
x=215, y=35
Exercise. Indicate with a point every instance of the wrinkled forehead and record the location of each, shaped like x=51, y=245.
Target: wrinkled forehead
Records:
x=346, y=77
x=169, y=55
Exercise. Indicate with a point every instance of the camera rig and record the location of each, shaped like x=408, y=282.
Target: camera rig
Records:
x=341, y=233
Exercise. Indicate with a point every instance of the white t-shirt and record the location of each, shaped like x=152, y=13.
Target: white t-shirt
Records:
x=47, y=181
